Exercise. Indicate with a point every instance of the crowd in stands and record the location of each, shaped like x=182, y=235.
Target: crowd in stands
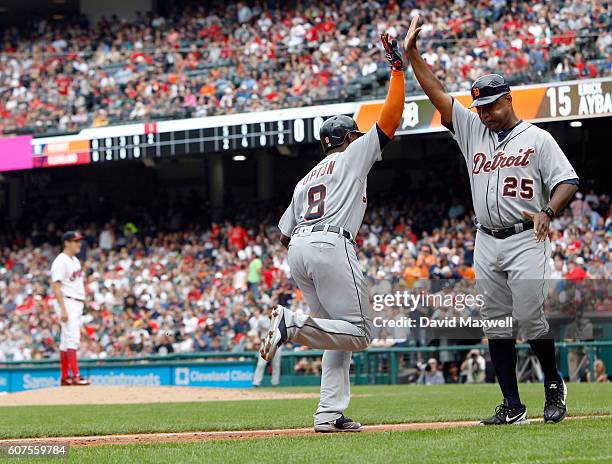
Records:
x=251, y=56
x=204, y=289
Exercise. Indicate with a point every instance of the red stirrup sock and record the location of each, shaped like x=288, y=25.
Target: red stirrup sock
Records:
x=64, y=364
x=72, y=361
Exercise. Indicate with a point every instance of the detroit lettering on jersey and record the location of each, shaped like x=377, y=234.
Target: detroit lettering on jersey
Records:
x=501, y=161
x=511, y=175
x=334, y=191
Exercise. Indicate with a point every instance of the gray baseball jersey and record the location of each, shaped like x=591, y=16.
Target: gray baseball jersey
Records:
x=511, y=176
x=334, y=191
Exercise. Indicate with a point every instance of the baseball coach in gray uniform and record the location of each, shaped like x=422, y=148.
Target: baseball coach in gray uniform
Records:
x=319, y=228
x=520, y=179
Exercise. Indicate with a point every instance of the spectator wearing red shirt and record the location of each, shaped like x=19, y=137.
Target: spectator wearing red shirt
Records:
x=238, y=237
x=270, y=272
x=575, y=271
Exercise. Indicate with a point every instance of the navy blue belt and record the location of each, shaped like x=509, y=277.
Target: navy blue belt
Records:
x=506, y=232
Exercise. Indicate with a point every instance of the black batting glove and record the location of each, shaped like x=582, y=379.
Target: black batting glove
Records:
x=392, y=52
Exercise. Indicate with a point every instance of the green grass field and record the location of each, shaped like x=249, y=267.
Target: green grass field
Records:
x=570, y=441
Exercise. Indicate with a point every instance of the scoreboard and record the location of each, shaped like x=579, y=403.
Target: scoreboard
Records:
x=553, y=101
x=154, y=143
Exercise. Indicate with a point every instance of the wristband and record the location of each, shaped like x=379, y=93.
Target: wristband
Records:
x=549, y=212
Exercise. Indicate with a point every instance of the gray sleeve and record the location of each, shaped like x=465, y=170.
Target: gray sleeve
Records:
x=553, y=164
x=363, y=153
x=288, y=221
x=464, y=126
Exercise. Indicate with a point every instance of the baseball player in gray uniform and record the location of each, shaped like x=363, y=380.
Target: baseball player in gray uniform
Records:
x=520, y=179
x=319, y=228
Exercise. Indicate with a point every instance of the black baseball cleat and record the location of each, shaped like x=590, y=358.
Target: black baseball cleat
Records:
x=555, y=409
x=506, y=415
x=342, y=424
x=276, y=336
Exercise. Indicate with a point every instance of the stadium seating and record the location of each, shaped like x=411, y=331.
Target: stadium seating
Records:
x=153, y=292
x=61, y=76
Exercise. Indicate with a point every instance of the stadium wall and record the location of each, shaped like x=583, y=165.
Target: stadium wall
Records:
x=236, y=369
x=124, y=9
x=225, y=374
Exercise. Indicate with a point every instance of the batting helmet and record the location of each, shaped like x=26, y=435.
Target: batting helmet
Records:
x=334, y=131
x=488, y=88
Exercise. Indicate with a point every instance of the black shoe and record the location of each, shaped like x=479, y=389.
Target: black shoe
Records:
x=505, y=415
x=555, y=409
x=342, y=424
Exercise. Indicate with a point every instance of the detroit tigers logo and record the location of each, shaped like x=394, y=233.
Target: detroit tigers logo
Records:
x=411, y=115
x=501, y=161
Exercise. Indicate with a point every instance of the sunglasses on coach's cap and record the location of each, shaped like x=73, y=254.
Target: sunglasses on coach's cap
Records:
x=72, y=236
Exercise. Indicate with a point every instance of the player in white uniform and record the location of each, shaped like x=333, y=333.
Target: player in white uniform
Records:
x=318, y=228
x=520, y=180
x=69, y=290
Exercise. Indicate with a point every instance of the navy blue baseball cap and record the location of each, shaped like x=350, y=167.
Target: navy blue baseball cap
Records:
x=71, y=236
x=488, y=88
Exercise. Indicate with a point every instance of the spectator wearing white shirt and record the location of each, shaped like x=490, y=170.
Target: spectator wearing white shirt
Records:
x=107, y=238
x=473, y=367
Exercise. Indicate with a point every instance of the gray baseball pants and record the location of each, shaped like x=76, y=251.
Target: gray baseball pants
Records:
x=325, y=267
x=513, y=274
x=261, y=368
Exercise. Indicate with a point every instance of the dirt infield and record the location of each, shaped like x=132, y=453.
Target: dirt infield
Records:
x=131, y=395
x=186, y=437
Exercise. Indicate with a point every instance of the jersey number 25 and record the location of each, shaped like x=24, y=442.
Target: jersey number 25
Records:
x=316, y=202
x=511, y=184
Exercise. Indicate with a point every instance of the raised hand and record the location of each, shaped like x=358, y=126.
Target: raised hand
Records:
x=392, y=52
x=413, y=33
